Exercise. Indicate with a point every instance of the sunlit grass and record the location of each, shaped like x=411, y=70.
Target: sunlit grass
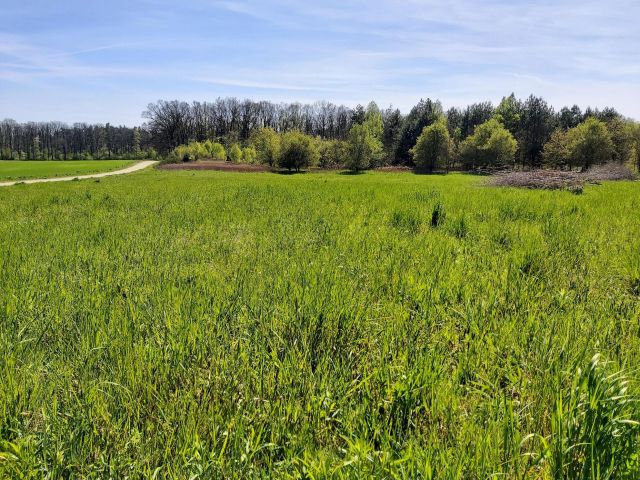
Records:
x=21, y=170
x=210, y=324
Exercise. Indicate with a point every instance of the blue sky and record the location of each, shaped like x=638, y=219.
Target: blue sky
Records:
x=103, y=61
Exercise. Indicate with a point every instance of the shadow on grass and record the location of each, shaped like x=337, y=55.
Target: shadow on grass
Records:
x=413, y=170
x=289, y=172
x=417, y=171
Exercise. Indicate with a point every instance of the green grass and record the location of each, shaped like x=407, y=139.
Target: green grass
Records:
x=210, y=324
x=25, y=169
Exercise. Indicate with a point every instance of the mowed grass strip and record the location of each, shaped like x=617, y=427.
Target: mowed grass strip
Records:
x=26, y=169
x=212, y=324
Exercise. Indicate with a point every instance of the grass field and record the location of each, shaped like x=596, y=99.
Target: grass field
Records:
x=214, y=324
x=22, y=170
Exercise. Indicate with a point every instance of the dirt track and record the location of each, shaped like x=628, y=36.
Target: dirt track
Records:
x=133, y=168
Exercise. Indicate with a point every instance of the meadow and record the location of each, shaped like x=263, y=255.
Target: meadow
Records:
x=25, y=169
x=177, y=324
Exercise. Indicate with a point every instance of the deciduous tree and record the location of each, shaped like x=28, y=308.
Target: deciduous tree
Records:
x=365, y=148
x=590, y=143
x=557, y=151
x=298, y=151
x=433, y=148
x=491, y=145
x=267, y=144
x=509, y=113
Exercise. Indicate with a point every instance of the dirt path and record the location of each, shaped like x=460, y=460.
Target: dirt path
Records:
x=133, y=168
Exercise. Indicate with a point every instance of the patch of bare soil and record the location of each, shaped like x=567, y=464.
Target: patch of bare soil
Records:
x=215, y=165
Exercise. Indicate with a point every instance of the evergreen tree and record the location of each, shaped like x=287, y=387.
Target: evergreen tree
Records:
x=422, y=115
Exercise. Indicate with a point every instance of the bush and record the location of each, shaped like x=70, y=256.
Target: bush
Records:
x=182, y=153
x=191, y=152
x=235, y=153
x=198, y=150
x=6, y=154
x=249, y=155
x=216, y=151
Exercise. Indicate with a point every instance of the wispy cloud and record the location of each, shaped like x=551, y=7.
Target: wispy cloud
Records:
x=251, y=84
x=102, y=48
x=351, y=51
x=30, y=62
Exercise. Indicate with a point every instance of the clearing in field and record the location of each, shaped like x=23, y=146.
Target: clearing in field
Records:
x=225, y=325
x=27, y=169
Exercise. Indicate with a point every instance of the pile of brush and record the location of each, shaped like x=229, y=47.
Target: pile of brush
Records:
x=562, y=179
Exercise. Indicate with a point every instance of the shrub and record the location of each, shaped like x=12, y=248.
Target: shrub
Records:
x=6, y=154
x=151, y=154
x=609, y=171
x=235, y=153
x=183, y=153
x=249, y=155
x=216, y=151
x=192, y=151
x=198, y=150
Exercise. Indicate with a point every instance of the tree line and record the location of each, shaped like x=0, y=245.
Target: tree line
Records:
x=172, y=123
x=515, y=133
x=80, y=141
x=521, y=133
